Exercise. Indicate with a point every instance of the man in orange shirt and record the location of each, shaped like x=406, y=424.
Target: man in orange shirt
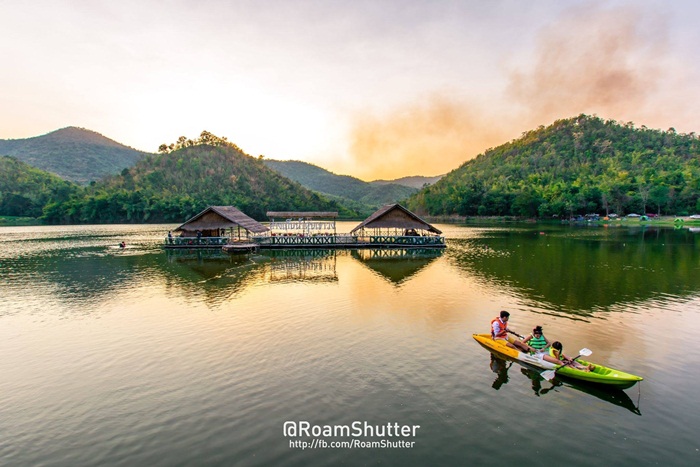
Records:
x=499, y=330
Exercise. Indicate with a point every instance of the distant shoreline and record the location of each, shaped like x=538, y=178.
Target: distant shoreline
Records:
x=662, y=221
x=669, y=221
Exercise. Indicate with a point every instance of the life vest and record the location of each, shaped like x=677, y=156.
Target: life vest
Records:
x=503, y=326
x=538, y=343
x=552, y=354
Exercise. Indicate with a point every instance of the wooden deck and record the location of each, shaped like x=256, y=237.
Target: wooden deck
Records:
x=284, y=242
x=349, y=241
x=196, y=243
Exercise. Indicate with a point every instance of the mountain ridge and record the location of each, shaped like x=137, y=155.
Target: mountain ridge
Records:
x=414, y=181
x=73, y=153
x=176, y=184
x=347, y=188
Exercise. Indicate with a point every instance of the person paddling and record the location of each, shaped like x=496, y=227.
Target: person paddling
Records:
x=499, y=331
x=556, y=355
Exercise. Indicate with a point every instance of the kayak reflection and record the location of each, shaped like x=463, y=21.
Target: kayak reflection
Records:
x=537, y=379
x=540, y=386
x=500, y=367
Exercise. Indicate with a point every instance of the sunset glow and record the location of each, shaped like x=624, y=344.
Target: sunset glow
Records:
x=369, y=89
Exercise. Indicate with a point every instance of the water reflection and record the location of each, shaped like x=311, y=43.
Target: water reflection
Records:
x=89, y=274
x=313, y=265
x=500, y=367
x=396, y=265
x=582, y=270
x=218, y=269
x=540, y=387
x=572, y=270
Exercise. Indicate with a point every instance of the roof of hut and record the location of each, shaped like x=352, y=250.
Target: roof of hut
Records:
x=297, y=214
x=222, y=217
x=397, y=216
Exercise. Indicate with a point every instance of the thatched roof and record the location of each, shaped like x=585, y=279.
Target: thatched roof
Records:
x=396, y=216
x=298, y=214
x=222, y=217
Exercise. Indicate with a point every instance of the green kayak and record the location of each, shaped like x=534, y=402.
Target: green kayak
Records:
x=600, y=374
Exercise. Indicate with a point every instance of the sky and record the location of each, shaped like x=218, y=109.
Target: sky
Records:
x=374, y=89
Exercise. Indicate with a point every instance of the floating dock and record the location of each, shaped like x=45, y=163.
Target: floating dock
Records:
x=391, y=227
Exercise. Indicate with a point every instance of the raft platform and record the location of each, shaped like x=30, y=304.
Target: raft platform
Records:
x=391, y=227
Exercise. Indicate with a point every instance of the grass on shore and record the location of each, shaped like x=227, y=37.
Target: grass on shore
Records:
x=13, y=221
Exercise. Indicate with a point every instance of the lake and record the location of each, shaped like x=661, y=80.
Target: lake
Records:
x=140, y=356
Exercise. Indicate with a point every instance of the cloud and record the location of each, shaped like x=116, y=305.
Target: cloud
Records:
x=428, y=138
x=613, y=62
x=593, y=60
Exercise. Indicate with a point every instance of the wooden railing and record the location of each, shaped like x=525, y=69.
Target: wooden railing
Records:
x=311, y=240
x=281, y=241
x=194, y=241
x=347, y=240
x=402, y=240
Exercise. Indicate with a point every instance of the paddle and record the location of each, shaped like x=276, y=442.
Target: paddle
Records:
x=515, y=333
x=550, y=374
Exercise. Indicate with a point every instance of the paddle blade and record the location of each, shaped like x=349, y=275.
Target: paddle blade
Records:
x=584, y=352
x=549, y=375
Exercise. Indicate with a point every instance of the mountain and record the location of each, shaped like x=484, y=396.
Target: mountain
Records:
x=74, y=154
x=348, y=190
x=175, y=185
x=25, y=190
x=575, y=166
x=417, y=181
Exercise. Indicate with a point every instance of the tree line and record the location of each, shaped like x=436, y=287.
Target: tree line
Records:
x=573, y=167
x=181, y=181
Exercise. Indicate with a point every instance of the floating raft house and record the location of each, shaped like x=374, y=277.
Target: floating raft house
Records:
x=392, y=226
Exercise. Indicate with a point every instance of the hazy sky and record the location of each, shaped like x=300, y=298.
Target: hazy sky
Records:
x=374, y=89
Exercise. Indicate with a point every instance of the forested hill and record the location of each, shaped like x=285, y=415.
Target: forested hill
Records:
x=173, y=186
x=348, y=189
x=74, y=154
x=575, y=166
x=25, y=190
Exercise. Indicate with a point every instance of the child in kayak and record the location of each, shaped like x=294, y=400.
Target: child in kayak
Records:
x=536, y=342
x=556, y=355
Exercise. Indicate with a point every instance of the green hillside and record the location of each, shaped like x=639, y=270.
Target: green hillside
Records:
x=73, y=154
x=575, y=166
x=179, y=182
x=25, y=190
x=348, y=190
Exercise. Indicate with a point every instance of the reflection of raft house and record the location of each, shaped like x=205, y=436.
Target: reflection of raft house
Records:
x=392, y=226
x=396, y=264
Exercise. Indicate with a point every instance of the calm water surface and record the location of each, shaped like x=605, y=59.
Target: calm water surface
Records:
x=145, y=357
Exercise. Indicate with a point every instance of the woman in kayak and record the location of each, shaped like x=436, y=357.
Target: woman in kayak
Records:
x=556, y=355
x=536, y=341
